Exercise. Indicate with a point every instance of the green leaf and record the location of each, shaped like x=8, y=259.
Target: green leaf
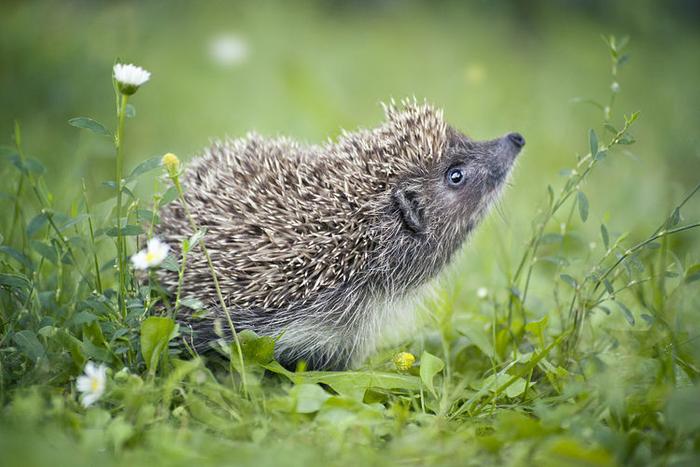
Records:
x=611, y=128
x=352, y=384
x=82, y=317
x=127, y=230
x=169, y=196
x=170, y=264
x=496, y=382
x=29, y=344
x=143, y=167
x=197, y=236
x=156, y=332
x=569, y=280
x=308, y=397
x=692, y=274
x=146, y=216
x=626, y=311
x=36, y=224
x=28, y=165
x=537, y=328
x=479, y=337
x=95, y=352
x=46, y=251
x=551, y=238
x=17, y=256
x=89, y=124
x=606, y=236
x=430, y=365
x=582, y=206
x=73, y=345
x=608, y=287
x=258, y=349
x=73, y=221
x=627, y=140
x=15, y=281
x=593, y=142
x=192, y=303
x=675, y=217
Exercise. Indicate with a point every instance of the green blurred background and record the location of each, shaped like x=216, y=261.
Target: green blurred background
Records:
x=308, y=69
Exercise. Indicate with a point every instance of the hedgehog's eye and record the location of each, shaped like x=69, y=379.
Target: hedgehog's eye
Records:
x=455, y=176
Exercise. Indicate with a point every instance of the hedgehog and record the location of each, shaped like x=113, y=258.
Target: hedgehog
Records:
x=322, y=246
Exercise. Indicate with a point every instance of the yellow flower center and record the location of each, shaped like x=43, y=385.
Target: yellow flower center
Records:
x=94, y=384
x=404, y=361
x=170, y=162
x=150, y=257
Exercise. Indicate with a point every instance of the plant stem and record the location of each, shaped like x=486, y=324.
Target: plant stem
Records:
x=92, y=239
x=121, y=253
x=641, y=245
x=217, y=287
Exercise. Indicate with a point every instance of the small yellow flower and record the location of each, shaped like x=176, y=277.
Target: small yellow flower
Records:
x=404, y=361
x=171, y=163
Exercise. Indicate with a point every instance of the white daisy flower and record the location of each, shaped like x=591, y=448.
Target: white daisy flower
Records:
x=130, y=77
x=482, y=292
x=92, y=383
x=154, y=254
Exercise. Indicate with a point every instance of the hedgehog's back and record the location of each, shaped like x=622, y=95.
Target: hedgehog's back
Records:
x=282, y=223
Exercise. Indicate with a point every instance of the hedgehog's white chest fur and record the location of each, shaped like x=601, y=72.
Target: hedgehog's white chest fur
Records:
x=385, y=322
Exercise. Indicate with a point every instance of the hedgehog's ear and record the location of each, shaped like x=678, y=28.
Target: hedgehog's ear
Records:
x=409, y=209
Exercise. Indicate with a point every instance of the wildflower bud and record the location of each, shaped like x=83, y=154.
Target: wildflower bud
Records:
x=404, y=361
x=482, y=293
x=130, y=77
x=180, y=412
x=171, y=164
x=615, y=87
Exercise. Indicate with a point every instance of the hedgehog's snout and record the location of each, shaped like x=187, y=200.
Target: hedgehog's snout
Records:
x=516, y=139
x=509, y=146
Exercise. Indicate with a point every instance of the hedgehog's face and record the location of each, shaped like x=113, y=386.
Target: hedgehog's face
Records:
x=469, y=176
x=447, y=199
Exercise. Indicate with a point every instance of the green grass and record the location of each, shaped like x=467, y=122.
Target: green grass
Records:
x=581, y=348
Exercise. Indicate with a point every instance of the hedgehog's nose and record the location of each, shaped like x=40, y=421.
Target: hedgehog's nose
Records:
x=516, y=139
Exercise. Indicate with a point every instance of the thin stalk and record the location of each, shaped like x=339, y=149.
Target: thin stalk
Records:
x=15, y=215
x=62, y=241
x=641, y=245
x=121, y=253
x=217, y=287
x=44, y=203
x=180, y=281
x=92, y=239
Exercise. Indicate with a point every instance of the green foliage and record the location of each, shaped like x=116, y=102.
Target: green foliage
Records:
x=575, y=355
x=89, y=124
x=430, y=366
x=156, y=332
